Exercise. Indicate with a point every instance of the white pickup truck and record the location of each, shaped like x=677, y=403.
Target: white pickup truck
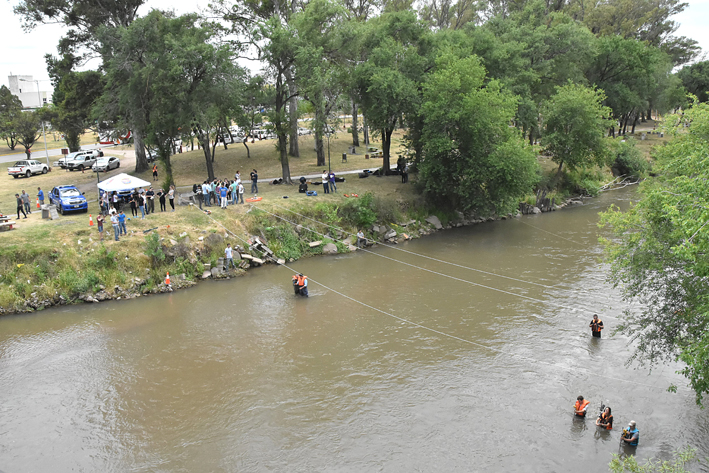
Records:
x=27, y=168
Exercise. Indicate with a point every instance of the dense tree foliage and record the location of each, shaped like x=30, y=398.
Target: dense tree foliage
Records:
x=659, y=254
x=575, y=123
x=695, y=79
x=472, y=159
x=10, y=108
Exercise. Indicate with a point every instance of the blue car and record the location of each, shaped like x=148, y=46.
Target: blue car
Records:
x=68, y=199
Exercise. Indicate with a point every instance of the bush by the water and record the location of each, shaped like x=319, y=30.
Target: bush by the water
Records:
x=628, y=160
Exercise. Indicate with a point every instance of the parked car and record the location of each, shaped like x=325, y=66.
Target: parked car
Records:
x=304, y=131
x=27, y=168
x=81, y=162
x=68, y=199
x=106, y=164
x=64, y=162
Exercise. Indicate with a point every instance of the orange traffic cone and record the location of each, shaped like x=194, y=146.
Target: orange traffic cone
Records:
x=91, y=221
x=37, y=202
x=167, y=279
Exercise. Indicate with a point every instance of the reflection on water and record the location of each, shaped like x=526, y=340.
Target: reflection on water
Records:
x=241, y=375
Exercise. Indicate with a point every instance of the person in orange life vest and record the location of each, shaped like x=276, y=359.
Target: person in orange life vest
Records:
x=580, y=406
x=300, y=284
x=155, y=172
x=605, y=419
x=596, y=326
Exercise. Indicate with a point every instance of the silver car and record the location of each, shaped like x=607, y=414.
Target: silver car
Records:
x=105, y=164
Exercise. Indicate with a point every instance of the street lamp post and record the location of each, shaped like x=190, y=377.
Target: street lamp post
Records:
x=39, y=105
x=329, y=170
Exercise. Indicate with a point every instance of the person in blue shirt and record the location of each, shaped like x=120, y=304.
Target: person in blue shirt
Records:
x=222, y=193
x=122, y=223
x=40, y=195
x=631, y=435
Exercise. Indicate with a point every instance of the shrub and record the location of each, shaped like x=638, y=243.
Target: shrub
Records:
x=153, y=249
x=360, y=212
x=628, y=160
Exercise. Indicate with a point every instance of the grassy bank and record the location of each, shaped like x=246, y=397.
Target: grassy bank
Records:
x=45, y=262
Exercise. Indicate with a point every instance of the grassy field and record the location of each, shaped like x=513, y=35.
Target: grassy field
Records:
x=54, y=141
x=190, y=167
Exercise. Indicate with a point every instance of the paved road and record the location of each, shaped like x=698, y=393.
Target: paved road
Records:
x=40, y=155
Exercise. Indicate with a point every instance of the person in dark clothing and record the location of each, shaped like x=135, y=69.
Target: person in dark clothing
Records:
x=254, y=182
x=151, y=201
x=161, y=194
x=596, y=326
x=133, y=205
x=20, y=207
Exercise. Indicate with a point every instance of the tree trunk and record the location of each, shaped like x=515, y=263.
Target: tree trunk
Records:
x=293, y=149
x=204, y=139
x=611, y=132
x=214, y=147
x=282, y=131
x=248, y=152
x=73, y=141
x=319, y=148
x=365, y=131
x=355, y=132
x=319, y=131
x=386, y=147
x=285, y=167
x=141, y=161
x=635, y=122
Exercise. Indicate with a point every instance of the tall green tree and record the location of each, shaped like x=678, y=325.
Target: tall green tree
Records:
x=10, y=109
x=574, y=125
x=389, y=81
x=75, y=94
x=165, y=75
x=472, y=159
x=532, y=51
x=658, y=254
x=695, y=79
x=27, y=127
x=321, y=72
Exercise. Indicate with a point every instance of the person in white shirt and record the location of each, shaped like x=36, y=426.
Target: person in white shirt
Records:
x=228, y=252
x=114, y=222
x=325, y=185
x=241, y=193
x=205, y=194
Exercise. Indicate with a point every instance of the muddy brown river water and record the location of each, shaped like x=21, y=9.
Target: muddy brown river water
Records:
x=241, y=376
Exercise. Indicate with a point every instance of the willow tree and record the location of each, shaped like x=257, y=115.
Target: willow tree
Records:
x=165, y=75
x=472, y=159
x=659, y=253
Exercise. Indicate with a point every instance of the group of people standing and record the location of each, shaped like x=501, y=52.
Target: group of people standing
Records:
x=631, y=435
x=139, y=199
x=223, y=191
x=328, y=182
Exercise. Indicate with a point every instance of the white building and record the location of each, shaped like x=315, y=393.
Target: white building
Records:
x=25, y=88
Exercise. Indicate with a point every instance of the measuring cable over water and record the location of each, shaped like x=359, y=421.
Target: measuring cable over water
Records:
x=530, y=360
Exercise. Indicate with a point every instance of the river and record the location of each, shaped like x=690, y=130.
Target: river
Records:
x=241, y=375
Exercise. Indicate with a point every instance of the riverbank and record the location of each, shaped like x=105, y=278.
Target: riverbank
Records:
x=68, y=264
x=44, y=263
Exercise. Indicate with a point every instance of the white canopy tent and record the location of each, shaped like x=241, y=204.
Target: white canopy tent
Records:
x=121, y=183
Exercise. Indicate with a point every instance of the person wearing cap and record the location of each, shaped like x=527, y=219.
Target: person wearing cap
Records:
x=631, y=435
